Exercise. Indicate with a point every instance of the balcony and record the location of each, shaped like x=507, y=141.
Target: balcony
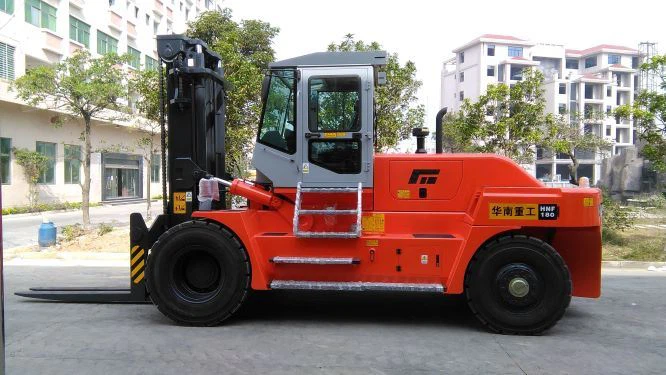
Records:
x=51, y=42
x=131, y=30
x=115, y=21
x=75, y=46
x=79, y=4
x=159, y=8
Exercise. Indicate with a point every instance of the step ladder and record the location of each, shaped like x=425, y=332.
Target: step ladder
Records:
x=356, y=230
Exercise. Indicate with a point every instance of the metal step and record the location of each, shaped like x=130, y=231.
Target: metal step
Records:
x=312, y=260
x=328, y=212
x=357, y=286
x=327, y=235
x=329, y=190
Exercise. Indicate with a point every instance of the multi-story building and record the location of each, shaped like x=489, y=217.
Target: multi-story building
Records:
x=38, y=32
x=586, y=84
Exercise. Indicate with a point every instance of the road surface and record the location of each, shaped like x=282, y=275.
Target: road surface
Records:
x=21, y=230
x=331, y=333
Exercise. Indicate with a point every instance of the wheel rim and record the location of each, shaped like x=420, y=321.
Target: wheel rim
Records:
x=197, y=275
x=519, y=286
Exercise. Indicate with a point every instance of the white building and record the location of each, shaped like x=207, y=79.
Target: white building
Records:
x=38, y=32
x=597, y=79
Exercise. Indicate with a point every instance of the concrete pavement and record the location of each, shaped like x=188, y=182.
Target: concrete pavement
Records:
x=332, y=333
x=21, y=230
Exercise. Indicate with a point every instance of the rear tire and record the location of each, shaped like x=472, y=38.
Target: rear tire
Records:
x=198, y=273
x=518, y=285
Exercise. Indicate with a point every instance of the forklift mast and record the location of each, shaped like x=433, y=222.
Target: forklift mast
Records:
x=195, y=98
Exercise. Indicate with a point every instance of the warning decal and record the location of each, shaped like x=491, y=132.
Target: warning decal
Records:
x=373, y=223
x=403, y=194
x=179, y=205
x=523, y=211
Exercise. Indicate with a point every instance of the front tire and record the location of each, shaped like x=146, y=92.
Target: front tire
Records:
x=198, y=274
x=518, y=285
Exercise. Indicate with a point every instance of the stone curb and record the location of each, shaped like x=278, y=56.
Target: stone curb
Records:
x=630, y=264
x=67, y=255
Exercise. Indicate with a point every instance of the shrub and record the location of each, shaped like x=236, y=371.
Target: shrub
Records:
x=104, y=228
x=72, y=231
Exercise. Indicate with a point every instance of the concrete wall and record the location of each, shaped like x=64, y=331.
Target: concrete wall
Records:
x=26, y=125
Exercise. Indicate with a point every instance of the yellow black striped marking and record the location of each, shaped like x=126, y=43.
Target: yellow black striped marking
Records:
x=138, y=278
x=137, y=264
x=137, y=257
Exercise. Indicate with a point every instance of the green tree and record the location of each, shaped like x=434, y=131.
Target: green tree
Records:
x=33, y=164
x=565, y=137
x=84, y=88
x=649, y=114
x=246, y=49
x=145, y=85
x=396, y=111
x=505, y=120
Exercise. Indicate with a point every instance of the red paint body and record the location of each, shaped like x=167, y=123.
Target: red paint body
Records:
x=437, y=234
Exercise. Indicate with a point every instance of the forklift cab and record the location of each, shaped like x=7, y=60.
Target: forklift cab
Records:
x=317, y=120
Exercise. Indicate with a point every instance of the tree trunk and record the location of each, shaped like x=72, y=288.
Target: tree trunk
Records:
x=148, y=181
x=574, y=169
x=85, y=187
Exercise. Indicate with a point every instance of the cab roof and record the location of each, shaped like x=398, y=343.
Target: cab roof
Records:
x=371, y=58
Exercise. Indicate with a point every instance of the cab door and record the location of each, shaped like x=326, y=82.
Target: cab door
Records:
x=337, y=126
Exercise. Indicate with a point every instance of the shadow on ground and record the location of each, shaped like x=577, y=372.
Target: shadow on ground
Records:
x=367, y=307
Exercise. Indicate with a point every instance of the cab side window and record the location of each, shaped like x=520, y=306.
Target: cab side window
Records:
x=334, y=104
x=278, y=124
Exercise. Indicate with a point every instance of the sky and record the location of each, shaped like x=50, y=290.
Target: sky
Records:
x=427, y=31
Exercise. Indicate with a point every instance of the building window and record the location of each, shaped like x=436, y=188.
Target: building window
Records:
x=563, y=88
x=462, y=76
x=151, y=64
x=609, y=91
x=461, y=96
x=634, y=62
x=135, y=57
x=155, y=168
x=7, y=6
x=187, y=13
x=147, y=19
x=40, y=14
x=591, y=62
x=613, y=59
x=516, y=73
x=608, y=110
x=156, y=26
x=490, y=72
x=72, y=164
x=562, y=109
x=6, y=61
x=572, y=64
x=515, y=51
x=608, y=130
x=106, y=44
x=136, y=12
x=5, y=160
x=79, y=31
x=461, y=57
x=47, y=149
x=490, y=51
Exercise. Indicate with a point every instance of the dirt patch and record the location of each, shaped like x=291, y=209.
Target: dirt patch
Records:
x=116, y=241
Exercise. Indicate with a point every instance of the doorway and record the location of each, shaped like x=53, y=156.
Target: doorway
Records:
x=122, y=176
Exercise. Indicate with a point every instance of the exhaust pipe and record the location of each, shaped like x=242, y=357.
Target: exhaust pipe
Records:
x=438, y=130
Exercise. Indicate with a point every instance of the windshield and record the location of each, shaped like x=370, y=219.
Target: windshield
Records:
x=278, y=124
